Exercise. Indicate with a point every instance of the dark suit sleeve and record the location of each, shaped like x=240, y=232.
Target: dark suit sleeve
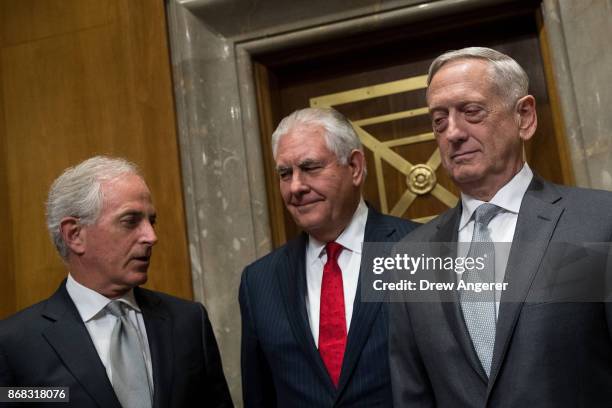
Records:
x=218, y=394
x=257, y=385
x=608, y=288
x=409, y=380
x=6, y=377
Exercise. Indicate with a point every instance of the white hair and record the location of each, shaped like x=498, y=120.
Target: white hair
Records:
x=340, y=136
x=509, y=77
x=76, y=193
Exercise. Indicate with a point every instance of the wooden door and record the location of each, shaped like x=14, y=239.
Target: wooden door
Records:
x=80, y=78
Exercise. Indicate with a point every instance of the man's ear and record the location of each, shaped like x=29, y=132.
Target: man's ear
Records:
x=73, y=234
x=528, y=118
x=357, y=164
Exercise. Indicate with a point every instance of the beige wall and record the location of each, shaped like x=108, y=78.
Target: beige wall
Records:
x=79, y=78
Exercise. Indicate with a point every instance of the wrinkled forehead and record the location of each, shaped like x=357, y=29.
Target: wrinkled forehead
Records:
x=301, y=141
x=475, y=73
x=125, y=188
x=481, y=64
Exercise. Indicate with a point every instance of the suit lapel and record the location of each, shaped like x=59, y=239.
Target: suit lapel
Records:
x=159, y=335
x=70, y=339
x=364, y=313
x=292, y=280
x=448, y=231
x=538, y=217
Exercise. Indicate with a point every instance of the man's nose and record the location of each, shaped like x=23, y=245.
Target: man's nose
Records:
x=298, y=183
x=148, y=234
x=455, y=131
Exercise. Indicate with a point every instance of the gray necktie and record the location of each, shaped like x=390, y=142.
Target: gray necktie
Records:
x=129, y=371
x=479, y=308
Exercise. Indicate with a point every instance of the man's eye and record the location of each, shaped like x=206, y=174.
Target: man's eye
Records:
x=130, y=222
x=284, y=174
x=439, y=123
x=475, y=113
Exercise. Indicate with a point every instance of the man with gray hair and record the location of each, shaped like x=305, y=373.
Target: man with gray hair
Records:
x=307, y=339
x=531, y=343
x=111, y=343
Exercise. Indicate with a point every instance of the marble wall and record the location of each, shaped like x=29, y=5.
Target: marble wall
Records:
x=212, y=45
x=580, y=33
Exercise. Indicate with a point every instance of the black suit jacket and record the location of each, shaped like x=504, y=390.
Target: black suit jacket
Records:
x=548, y=353
x=281, y=365
x=48, y=345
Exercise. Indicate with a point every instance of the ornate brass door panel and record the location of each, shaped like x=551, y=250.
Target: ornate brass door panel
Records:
x=420, y=177
x=378, y=82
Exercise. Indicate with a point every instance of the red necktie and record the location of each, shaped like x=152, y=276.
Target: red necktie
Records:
x=332, y=322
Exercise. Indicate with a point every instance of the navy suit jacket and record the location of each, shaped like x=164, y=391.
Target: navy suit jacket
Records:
x=281, y=365
x=549, y=351
x=48, y=345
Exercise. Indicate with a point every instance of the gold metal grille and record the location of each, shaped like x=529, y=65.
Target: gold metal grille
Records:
x=420, y=177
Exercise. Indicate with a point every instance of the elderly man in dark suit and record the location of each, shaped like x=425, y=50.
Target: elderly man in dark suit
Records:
x=526, y=347
x=307, y=339
x=110, y=342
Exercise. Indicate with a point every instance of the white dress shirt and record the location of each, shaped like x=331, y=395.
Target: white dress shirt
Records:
x=502, y=226
x=100, y=323
x=349, y=261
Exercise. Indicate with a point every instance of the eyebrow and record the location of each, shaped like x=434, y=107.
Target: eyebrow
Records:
x=137, y=213
x=437, y=109
x=303, y=163
x=310, y=162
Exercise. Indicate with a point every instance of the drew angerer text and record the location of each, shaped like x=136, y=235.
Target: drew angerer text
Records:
x=426, y=285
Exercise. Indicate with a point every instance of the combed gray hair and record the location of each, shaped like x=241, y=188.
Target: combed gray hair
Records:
x=510, y=78
x=76, y=193
x=340, y=136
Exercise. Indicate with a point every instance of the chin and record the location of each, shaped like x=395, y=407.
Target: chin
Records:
x=138, y=278
x=308, y=221
x=465, y=176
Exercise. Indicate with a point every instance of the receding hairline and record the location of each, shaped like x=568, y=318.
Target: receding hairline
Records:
x=490, y=69
x=311, y=126
x=509, y=77
x=104, y=184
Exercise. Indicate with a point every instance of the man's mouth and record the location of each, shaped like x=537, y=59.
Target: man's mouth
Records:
x=305, y=204
x=145, y=258
x=463, y=155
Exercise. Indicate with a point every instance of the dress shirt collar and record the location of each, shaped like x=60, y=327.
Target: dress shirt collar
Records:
x=90, y=303
x=351, y=238
x=509, y=197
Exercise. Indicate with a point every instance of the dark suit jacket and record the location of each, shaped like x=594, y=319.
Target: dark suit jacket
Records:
x=547, y=353
x=48, y=345
x=281, y=365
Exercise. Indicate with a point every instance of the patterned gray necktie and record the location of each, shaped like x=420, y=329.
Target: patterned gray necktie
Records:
x=128, y=367
x=479, y=308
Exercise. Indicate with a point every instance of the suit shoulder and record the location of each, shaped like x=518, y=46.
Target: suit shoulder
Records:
x=424, y=232
x=180, y=310
x=268, y=261
x=168, y=299
x=585, y=195
x=401, y=223
x=22, y=322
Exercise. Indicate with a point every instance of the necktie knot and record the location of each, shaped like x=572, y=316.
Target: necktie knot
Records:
x=116, y=308
x=333, y=250
x=485, y=213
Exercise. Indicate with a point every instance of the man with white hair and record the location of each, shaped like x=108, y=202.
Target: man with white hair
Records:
x=307, y=338
x=110, y=342
x=545, y=339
